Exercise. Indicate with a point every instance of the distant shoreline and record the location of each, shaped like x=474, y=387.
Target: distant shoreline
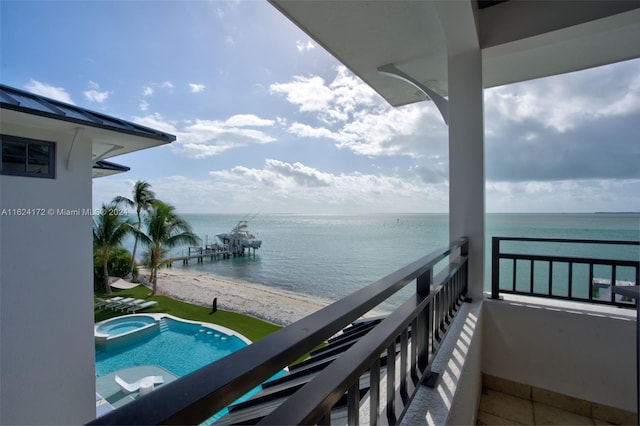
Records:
x=616, y=213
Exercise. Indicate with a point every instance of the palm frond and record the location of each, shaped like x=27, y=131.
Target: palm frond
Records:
x=163, y=229
x=123, y=200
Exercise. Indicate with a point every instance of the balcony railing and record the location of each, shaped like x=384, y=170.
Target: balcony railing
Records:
x=406, y=342
x=564, y=268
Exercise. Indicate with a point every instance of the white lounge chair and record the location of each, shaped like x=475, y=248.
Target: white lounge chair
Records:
x=104, y=302
x=127, y=305
x=145, y=305
x=133, y=387
x=123, y=302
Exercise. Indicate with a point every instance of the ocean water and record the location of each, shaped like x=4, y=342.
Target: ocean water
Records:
x=330, y=256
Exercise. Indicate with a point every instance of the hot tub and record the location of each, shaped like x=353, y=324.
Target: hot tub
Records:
x=125, y=326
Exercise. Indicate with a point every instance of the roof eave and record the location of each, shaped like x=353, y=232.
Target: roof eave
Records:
x=107, y=168
x=110, y=136
x=419, y=37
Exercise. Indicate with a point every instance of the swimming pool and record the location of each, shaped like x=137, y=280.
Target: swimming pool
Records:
x=158, y=340
x=178, y=346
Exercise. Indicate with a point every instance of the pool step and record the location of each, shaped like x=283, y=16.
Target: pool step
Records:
x=163, y=325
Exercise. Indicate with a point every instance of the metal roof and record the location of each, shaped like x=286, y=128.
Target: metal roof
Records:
x=30, y=103
x=106, y=168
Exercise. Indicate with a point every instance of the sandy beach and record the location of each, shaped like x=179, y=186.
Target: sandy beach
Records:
x=274, y=305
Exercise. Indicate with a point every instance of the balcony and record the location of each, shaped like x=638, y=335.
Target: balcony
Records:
x=546, y=331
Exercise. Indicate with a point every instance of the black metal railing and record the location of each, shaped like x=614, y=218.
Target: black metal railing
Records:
x=417, y=328
x=567, y=269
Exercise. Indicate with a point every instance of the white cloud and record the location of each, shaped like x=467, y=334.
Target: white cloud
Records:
x=356, y=118
x=94, y=94
x=339, y=101
x=201, y=150
x=547, y=160
x=302, y=175
x=545, y=130
x=44, y=89
x=247, y=120
x=565, y=102
x=283, y=185
x=563, y=196
x=196, y=88
x=156, y=121
x=304, y=47
x=229, y=40
x=150, y=89
x=310, y=94
x=306, y=131
x=575, y=126
x=413, y=130
x=144, y=106
x=206, y=138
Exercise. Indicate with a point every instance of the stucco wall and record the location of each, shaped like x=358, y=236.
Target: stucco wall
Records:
x=46, y=317
x=575, y=349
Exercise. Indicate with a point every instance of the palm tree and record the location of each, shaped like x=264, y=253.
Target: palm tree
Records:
x=164, y=229
x=143, y=196
x=109, y=229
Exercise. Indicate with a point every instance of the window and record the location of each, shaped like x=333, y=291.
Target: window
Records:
x=27, y=157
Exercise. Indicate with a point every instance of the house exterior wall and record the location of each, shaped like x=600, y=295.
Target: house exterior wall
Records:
x=575, y=349
x=47, y=362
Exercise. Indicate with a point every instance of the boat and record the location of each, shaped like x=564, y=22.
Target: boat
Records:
x=240, y=239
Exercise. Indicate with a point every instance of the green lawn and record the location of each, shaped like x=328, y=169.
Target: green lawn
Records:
x=250, y=327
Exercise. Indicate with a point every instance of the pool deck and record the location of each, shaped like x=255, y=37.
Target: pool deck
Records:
x=110, y=396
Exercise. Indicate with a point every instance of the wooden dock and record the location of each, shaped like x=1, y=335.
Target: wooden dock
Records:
x=199, y=253
x=601, y=288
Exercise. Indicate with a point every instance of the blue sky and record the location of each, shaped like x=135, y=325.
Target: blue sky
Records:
x=267, y=121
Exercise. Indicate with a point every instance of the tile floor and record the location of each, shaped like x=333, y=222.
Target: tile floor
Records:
x=497, y=408
x=508, y=403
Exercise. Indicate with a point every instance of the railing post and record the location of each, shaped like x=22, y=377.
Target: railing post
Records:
x=391, y=384
x=353, y=404
x=423, y=282
x=464, y=248
x=423, y=287
x=495, y=268
x=464, y=251
x=374, y=394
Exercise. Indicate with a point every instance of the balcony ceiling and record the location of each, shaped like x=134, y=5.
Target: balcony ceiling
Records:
x=520, y=39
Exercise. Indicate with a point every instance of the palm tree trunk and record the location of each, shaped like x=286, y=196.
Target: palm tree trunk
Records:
x=105, y=270
x=155, y=262
x=133, y=255
x=135, y=244
x=154, y=289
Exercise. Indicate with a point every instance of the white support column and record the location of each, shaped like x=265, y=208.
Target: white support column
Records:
x=466, y=161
